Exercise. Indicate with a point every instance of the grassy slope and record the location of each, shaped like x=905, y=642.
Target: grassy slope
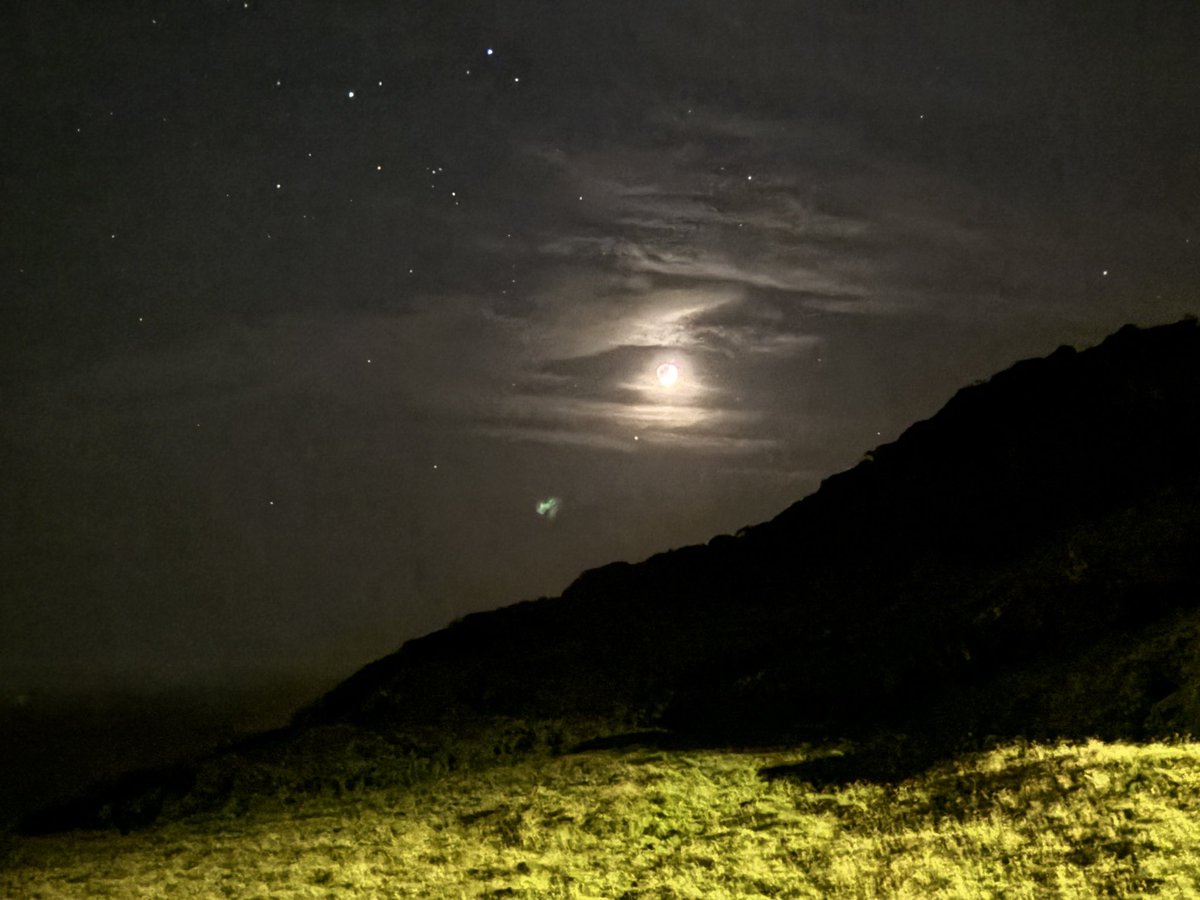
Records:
x=1023, y=820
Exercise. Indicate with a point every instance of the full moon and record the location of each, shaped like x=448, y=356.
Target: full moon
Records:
x=668, y=374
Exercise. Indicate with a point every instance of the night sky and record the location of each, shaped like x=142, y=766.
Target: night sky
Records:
x=326, y=323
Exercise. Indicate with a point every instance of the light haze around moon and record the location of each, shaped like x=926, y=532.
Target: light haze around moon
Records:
x=667, y=374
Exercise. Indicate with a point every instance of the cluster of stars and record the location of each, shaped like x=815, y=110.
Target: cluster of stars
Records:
x=491, y=52
x=356, y=92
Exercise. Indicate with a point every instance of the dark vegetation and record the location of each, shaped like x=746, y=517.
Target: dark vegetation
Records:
x=55, y=744
x=1024, y=563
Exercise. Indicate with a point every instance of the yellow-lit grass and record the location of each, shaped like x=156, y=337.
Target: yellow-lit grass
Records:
x=1021, y=821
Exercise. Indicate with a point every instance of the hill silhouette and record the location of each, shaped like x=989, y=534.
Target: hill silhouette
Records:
x=1036, y=517
x=1025, y=562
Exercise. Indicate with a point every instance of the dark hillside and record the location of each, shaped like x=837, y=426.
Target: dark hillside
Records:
x=1042, y=512
x=1025, y=562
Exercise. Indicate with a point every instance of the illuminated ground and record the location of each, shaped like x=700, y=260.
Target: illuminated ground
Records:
x=1021, y=821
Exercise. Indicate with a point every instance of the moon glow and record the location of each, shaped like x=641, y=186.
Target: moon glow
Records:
x=667, y=374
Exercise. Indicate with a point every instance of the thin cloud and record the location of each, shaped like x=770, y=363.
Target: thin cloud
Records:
x=714, y=266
